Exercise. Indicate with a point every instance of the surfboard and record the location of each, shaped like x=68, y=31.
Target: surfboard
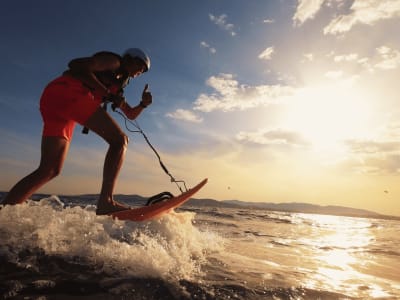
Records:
x=158, y=209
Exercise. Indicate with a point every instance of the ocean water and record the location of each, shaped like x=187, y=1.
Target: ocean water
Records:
x=55, y=250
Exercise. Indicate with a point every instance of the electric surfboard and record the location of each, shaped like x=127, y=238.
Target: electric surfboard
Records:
x=158, y=209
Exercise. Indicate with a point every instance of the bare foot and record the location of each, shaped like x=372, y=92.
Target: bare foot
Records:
x=109, y=207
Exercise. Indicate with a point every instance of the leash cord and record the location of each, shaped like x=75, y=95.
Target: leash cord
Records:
x=139, y=130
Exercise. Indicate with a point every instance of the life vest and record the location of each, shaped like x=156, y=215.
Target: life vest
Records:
x=115, y=81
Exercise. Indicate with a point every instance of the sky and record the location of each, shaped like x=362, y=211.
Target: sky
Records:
x=274, y=101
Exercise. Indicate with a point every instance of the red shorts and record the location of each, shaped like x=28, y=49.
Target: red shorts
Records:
x=64, y=102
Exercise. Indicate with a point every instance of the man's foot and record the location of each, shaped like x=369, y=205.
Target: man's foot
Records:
x=109, y=207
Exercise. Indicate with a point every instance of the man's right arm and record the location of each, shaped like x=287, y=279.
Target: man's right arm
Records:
x=84, y=70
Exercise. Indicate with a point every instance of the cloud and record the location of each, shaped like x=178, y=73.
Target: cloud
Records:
x=364, y=12
x=373, y=147
x=308, y=56
x=222, y=23
x=375, y=156
x=229, y=95
x=268, y=21
x=306, y=9
x=378, y=165
x=347, y=57
x=207, y=46
x=385, y=58
x=390, y=58
x=273, y=137
x=185, y=115
x=334, y=74
x=267, y=53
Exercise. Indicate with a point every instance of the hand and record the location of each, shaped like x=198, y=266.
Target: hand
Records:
x=117, y=101
x=147, y=98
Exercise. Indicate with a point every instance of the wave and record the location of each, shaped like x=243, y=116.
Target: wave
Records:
x=52, y=241
x=216, y=213
x=384, y=252
x=63, y=252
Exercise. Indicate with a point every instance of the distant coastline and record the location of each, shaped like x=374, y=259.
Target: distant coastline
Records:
x=296, y=207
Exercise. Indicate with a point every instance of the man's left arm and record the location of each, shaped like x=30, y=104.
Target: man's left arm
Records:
x=133, y=112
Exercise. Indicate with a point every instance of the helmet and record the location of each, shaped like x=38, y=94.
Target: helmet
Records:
x=136, y=52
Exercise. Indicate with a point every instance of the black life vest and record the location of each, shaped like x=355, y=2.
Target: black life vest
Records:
x=115, y=81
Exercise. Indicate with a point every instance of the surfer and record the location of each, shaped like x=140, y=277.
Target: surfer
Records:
x=77, y=97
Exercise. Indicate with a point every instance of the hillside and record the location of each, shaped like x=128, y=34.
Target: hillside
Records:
x=136, y=200
x=291, y=207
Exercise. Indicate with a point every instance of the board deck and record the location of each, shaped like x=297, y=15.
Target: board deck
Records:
x=150, y=212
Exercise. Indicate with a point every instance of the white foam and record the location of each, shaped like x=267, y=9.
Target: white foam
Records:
x=170, y=248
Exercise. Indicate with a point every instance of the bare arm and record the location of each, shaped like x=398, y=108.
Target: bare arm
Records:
x=133, y=112
x=84, y=69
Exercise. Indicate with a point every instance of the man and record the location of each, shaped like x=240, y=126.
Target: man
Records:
x=76, y=97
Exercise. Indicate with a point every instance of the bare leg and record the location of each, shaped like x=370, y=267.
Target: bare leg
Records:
x=53, y=153
x=102, y=124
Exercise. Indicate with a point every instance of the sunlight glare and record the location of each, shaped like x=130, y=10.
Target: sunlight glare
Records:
x=327, y=115
x=337, y=241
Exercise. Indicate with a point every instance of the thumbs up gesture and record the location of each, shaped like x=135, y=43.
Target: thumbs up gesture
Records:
x=147, y=98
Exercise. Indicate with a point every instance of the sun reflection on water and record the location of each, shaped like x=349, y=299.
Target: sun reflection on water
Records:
x=336, y=242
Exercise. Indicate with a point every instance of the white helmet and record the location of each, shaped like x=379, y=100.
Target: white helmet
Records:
x=136, y=52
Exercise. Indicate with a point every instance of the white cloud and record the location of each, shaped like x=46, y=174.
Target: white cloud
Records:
x=364, y=12
x=361, y=12
x=267, y=53
x=309, y=56
x=373, y=147
x=334, y=74
x=363, y=61
x=390, y=58
x=185, y=115
x=386, y=58
x=268, y=21
x=379, y=154
x=347, y=57
x=306, y=9
x=273, y=137
x=207, y=46
x=222, y=23
x=372, y=156
x=229, y=95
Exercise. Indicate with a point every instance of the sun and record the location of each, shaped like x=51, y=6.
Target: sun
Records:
x=328, y=115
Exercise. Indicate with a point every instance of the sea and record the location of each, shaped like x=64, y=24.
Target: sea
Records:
x=59, y=249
